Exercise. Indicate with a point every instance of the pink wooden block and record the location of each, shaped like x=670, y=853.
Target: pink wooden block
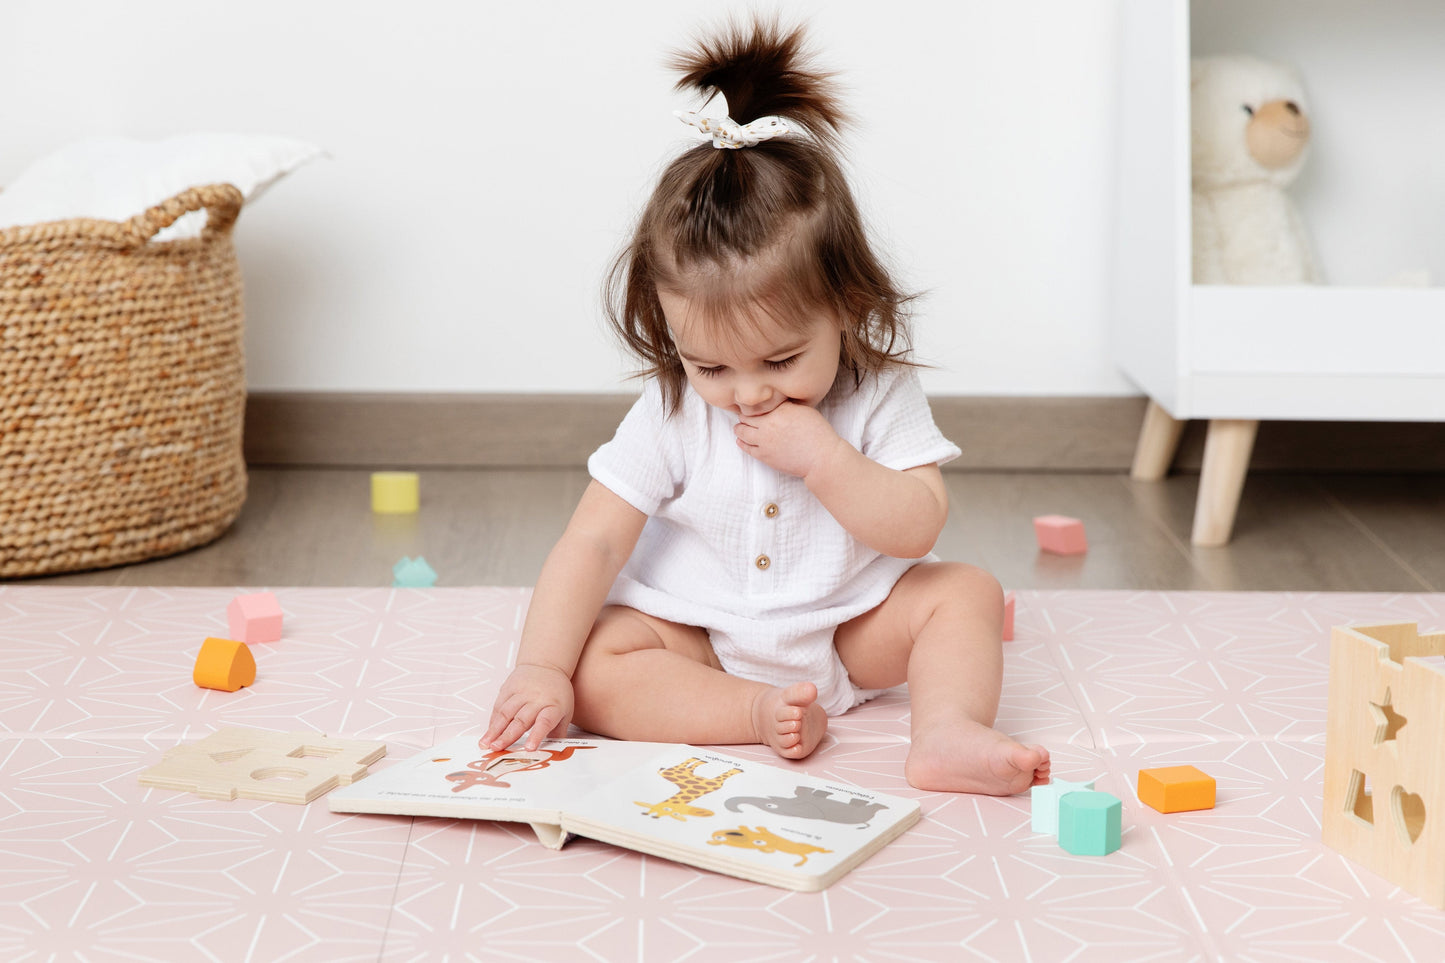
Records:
x=1008, y=616
x=1061, y=535
x=254, y=618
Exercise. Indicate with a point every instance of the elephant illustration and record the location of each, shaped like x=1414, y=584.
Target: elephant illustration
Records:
x=808, y=803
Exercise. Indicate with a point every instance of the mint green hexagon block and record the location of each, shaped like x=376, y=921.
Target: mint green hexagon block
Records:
x=1090, y=823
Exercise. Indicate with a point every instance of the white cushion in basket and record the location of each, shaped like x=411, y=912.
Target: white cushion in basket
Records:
x=115, y=178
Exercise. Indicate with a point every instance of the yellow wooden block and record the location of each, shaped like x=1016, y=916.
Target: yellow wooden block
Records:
x=395, y=492
x=224, y=664
x=1176, y=789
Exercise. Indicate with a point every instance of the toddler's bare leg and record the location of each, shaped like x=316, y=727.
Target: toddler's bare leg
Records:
x=940, y=630
x=648, y=679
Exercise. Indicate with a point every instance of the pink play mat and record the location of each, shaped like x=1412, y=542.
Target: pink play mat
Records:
x=96, y=683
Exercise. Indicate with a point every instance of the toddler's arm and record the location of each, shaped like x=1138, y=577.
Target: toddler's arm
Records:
x=898, y=513
x=536, y=697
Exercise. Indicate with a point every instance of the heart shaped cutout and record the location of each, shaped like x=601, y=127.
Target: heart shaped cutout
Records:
x=1409, y=813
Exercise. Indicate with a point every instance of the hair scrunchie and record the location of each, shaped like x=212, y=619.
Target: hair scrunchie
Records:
x=728, y=133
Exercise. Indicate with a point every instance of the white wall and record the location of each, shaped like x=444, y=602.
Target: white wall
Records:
x=487, y=159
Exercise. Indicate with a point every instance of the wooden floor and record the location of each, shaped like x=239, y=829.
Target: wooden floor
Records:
x=494, y=527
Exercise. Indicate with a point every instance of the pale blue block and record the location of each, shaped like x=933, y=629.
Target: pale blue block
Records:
x=413, y=573
x=1045, y=801
x=1090, y=823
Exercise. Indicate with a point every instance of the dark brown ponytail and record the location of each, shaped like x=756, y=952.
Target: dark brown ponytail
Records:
x=763, y=71
x=769, y=230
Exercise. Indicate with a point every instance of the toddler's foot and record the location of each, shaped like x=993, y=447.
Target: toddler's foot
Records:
x=789, y=719
x=970, y=757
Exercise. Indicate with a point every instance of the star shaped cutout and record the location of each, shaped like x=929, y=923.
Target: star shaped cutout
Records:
x=1388, y=722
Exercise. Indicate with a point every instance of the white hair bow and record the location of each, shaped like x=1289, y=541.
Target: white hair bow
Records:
x=726, y=132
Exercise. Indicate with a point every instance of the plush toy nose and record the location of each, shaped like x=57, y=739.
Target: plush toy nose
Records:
x=1277, y=133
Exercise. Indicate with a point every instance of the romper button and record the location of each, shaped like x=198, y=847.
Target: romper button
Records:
x=763, y=562
x=770, y=510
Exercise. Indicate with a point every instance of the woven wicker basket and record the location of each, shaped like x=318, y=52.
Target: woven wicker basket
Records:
x=122, y=387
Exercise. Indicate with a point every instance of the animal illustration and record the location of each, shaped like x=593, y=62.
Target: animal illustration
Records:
x=764, y=841
x=690, y=786
x=488, y=770
x=809, y=803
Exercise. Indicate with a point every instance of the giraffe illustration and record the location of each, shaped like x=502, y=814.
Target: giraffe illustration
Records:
x=764, y=841
x=690, y=786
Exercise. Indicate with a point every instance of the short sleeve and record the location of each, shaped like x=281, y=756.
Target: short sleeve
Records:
x=898, y=431
x=643, y=463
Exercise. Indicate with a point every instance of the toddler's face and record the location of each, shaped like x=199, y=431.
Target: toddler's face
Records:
x=754, y=373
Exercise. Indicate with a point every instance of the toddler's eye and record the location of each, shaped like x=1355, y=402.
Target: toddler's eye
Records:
x=712, y=372
x=787, y=362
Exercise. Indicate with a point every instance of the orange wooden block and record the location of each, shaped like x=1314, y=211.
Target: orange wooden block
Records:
x=1176, y=789
x=224, y=664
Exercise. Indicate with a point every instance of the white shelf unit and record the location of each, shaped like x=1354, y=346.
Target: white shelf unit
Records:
x=1236, y=355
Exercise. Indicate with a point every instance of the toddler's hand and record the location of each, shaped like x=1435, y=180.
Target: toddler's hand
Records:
x=536, y=700
x=792, y=438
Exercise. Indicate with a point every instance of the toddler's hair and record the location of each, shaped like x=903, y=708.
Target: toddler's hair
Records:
x=770, y=229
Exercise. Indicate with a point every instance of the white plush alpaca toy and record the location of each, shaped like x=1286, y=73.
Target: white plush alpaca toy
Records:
x=1251, y=132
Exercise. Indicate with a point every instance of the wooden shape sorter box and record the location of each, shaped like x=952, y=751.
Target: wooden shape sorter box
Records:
x=289, y=767
x=1384, y=793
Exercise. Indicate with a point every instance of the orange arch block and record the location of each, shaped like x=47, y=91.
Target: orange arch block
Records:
x=224, y=664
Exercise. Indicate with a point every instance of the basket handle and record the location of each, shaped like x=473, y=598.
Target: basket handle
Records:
x=222, y=203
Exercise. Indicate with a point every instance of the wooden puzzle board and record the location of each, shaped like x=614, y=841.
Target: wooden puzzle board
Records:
x=289, y=767
x=96, y=686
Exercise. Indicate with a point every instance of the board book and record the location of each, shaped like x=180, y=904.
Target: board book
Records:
x=696, y=806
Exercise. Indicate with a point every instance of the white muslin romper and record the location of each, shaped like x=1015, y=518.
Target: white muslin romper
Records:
x=747, y=552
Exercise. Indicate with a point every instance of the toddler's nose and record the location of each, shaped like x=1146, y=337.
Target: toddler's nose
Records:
x=753, y=395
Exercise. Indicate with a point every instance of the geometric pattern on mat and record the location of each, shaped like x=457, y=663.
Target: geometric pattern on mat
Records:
x=95, y=683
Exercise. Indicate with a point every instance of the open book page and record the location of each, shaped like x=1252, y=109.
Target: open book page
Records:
x=462, y=780
x=741, y=817
x=744, y=818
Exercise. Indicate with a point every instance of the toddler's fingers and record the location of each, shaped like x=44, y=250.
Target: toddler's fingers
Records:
x=503, y=711
x=512, y=733
x=547, y=720
x=498, y=722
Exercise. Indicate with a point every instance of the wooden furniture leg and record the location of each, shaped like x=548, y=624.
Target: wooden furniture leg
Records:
x=1158, y=440
x=1226, y=460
